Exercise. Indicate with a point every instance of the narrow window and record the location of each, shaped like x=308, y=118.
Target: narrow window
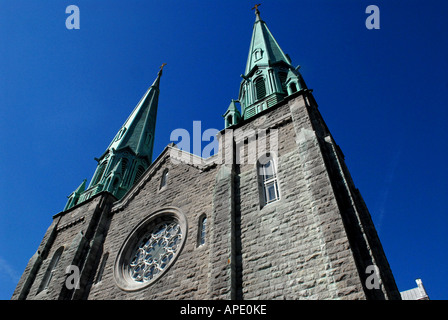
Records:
x=107, y=184
x=243, y=95
x=260, y=88
x=268, y=180
x=115, y=185
x=282, y=76
x=50, y=270
x=148, y=139
x=229, y=121
x=100, y=172
x=293, y=87
x=164, y=179
x=202, y=230
x=138, y=174
x=124, y=164
x=101, y=269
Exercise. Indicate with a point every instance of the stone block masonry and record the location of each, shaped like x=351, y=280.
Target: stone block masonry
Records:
x=314, y=242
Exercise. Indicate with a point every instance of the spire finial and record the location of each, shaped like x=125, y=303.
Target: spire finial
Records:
x=161, y=69
x=257, y=12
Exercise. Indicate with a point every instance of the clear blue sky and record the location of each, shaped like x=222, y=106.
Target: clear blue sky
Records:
x=383, y=93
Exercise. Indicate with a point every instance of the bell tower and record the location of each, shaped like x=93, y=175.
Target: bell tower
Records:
x=269, y=76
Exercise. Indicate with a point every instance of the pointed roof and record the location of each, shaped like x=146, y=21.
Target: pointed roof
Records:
x=264, y=49
x=140, y=123
x=232, y=108
x=81, y=188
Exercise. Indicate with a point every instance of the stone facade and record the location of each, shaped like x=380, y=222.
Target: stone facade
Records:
x=315, y=242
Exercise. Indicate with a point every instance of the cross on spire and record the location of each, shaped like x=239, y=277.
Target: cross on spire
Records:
x=257, y=12
x=161, y=67
x=256, y=7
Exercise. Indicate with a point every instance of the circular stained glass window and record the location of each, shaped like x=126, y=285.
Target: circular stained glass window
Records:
x=151, y=249
x=155, y=251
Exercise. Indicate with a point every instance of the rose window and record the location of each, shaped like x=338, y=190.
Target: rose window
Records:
x=155, y=251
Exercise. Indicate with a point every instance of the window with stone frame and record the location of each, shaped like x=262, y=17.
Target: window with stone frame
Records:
x=202, y=230
x=267, y=173
x=164, y=179
x=99, y=276
x=51, y=269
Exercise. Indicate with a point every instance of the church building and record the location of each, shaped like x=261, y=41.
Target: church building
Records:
x=272, y=214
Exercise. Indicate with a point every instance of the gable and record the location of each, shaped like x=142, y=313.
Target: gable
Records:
x=170, y=158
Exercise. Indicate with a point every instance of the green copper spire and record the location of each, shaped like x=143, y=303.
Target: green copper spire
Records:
x=130, y=152
x=137, y=132
x=232, y=115
x=264, y=49
x=269, y=76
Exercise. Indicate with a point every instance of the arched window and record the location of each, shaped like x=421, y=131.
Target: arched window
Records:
x=99, y=175
x=229, y=120
x=138, y=174
x=267, y=173
x=120, y=134
x=258, y=54
x=164, y=179
x=260, y=88
x=124, y=164
x=202, y=230
x=50, y=270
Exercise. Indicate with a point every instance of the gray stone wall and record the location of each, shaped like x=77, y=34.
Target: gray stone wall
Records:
x=296, y=247
x=72, y=230
x=190, y=190
x=313, y=243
